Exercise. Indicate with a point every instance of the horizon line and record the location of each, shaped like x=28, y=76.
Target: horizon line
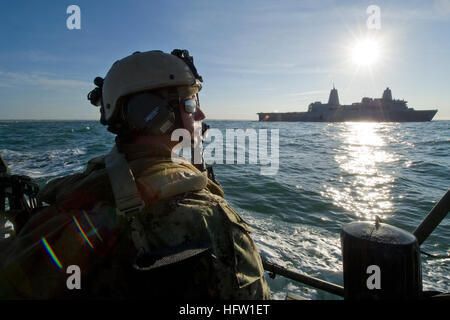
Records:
x=99, y=120
x=66, y=120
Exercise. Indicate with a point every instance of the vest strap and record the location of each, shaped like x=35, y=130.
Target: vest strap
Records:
x=126, y=195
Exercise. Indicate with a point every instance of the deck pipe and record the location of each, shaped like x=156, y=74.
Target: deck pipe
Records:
x=433, y=218
x=308, y=280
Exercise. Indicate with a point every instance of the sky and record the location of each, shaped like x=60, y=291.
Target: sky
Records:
x=254, y=56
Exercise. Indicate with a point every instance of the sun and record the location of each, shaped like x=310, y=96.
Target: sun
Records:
x=366, y=52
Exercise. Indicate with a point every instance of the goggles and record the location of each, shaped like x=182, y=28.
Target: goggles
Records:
x=191, y=105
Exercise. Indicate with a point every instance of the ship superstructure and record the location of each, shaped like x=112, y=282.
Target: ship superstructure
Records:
x=384, y=109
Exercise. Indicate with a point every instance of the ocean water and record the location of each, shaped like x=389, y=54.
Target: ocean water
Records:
x=329, y=174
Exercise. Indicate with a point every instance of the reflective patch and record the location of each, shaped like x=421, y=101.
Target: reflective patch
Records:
x=166, y=126
x=151, y=115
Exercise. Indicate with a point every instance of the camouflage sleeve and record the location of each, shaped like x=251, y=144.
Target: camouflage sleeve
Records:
x=231, y=269
x=246, y=262
x=58, y=189
x=49, y=193
x=234, y=269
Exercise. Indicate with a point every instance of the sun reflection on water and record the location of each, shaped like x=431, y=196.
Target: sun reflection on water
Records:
x=362, y=159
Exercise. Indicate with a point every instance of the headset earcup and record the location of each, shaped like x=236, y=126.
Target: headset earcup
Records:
x=149, y=113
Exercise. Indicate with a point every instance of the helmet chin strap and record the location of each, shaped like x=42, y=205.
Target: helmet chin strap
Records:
x=197, y=147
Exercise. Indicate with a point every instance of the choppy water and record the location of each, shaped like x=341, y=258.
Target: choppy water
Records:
x=329, y=174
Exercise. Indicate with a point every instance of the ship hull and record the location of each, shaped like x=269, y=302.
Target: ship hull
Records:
x=351, y=115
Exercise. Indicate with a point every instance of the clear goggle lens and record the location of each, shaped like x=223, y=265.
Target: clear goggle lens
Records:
x=190, y=105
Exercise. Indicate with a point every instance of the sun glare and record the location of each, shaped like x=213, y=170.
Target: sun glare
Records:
x=366, y=52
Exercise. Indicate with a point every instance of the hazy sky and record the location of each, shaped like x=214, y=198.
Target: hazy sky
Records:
x=253, y=55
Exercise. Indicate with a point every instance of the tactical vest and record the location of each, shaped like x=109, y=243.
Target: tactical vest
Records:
x=167, y=233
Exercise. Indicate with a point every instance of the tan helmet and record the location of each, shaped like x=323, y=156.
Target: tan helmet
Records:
x=143, y=71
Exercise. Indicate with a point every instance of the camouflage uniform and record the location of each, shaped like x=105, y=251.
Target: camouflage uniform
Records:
x=184, y=212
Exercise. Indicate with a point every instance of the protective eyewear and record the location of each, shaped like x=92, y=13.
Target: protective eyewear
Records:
x=191, y=105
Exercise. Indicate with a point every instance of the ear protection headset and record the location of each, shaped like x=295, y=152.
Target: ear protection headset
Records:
x=149, y=113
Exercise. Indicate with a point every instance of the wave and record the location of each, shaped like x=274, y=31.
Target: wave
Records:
x=49, y=163
x=329, y=175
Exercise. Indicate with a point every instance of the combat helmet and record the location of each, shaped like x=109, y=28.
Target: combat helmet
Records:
x=142, y=72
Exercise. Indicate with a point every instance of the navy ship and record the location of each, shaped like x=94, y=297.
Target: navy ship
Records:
x=385, y=109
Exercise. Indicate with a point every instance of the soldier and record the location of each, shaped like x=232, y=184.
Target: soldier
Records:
x=139, y=222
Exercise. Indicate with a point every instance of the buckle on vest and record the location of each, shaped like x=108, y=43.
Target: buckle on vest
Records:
x=130, y=211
